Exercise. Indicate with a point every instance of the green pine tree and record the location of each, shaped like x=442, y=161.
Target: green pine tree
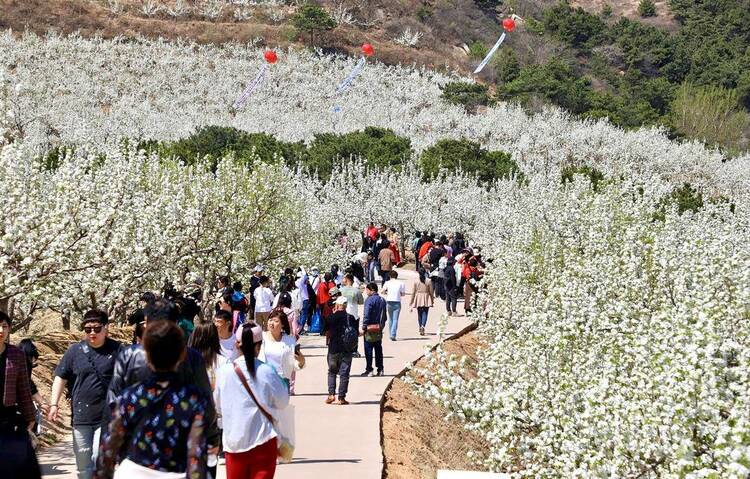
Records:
x=311, y=18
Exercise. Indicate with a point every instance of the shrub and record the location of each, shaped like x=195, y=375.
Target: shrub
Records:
x=470, y=157
x=424, y=13
x=312, y=18
x=685, y=197
x=574, y=26
x=478, y=50
x=379, y=147
x=607, y=10
x=507, y=65
x=647, y=8
x=711, y=114
x=213, y=142
x=595, y=176
x=470, y=95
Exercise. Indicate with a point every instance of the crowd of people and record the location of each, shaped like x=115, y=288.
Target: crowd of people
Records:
x=194, y=385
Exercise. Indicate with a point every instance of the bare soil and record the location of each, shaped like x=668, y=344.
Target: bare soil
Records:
x=416, y=438
x=629, y=9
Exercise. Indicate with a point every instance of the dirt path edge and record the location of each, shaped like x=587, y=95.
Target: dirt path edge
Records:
x=384, y=398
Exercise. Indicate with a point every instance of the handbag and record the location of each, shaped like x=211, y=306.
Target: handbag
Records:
x=373, y=333
x=286, y=448
x=373, y=328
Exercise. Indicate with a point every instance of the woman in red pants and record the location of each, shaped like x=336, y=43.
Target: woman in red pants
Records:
x=247, y=391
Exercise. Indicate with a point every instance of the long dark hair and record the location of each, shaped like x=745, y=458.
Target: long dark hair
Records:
x=248, y=347
x=205, y=339
x=422, y=275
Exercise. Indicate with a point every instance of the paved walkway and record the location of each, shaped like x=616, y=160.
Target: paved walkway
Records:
x=332, y=441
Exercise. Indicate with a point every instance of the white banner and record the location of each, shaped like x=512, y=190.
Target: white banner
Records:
x=251, y=87
x=490, y=53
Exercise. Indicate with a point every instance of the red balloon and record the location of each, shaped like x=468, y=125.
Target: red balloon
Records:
x=270, y=56
x=509, y=25
x=368, y=50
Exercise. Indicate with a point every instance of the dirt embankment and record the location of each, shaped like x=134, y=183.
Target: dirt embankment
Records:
x=415, y=437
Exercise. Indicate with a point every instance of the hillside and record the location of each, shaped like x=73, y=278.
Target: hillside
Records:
x=685, y=66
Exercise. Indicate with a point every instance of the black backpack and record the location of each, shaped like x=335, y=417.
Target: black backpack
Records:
x=350, y=338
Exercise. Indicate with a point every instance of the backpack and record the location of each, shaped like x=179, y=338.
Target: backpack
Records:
x=350, y=338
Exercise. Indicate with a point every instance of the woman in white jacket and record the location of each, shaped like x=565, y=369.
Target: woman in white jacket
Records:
x=248, y=394
x=280, y=349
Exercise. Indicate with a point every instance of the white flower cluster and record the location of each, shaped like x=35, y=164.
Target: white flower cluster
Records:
x=89, y=90
x=617, y=345
x=104, y=230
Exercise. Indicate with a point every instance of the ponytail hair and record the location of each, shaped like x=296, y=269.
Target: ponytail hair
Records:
x=250, y=332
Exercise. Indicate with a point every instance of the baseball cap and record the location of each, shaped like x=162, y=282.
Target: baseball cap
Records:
x=334, y=291
x=341, y=300
x=258, y=268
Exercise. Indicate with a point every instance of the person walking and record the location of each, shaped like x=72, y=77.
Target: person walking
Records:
x=17, y=456
x=394, y=291
x=248, y=392
x=343, y=334
x=450, y=283
x=158, y=426
x=387, y=260
x=280, y=349
x=263, y=300
x=372, y=329
x=354, y=299
x=32, y=357
x=205, y=340
x=227, y=340
x=132, y=368
x=422, y=298
x=85, y=370
x=305, y=290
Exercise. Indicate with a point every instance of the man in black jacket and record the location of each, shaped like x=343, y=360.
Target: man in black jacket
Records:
x=131, y=367
x=338, y=326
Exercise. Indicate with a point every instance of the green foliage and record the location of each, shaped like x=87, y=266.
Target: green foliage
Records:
x=573, y=26
x=424, y=13
x=685, y=197
x=506, y=65
x=214, y=142
x=379, y=147
x=470, y=95
x=607, y=10
x=712, y=114
x=647, y=8
x=470, y=157
x=555, y=81
x=52, y=160
x=478, y=50
x=312, y=18
x=595, y=176
x=632, y=73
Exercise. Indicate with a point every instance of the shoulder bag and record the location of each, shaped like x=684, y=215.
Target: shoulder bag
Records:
x=286, y=448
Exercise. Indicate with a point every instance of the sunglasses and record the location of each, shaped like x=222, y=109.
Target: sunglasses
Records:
x=95, y=329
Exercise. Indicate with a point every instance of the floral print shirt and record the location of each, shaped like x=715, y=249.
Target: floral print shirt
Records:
x=158, y=424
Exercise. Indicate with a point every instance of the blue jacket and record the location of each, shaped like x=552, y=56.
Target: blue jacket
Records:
x=374, y=311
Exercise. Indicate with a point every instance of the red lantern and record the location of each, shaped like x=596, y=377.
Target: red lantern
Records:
x=270, y=56
x=368, y=50
x=509, y=25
